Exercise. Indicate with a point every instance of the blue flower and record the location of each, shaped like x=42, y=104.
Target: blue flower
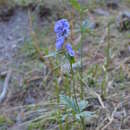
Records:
x=62, y=28
x=59, y=43
x=70, y=50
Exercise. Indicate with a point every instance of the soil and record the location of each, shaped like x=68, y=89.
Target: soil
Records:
x=27, y=87
x=13, y=33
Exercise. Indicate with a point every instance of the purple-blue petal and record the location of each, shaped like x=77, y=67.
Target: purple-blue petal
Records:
x=65, y=23
x=59, y=43
x=58, y=26
x=70, y=50
x=62, y=28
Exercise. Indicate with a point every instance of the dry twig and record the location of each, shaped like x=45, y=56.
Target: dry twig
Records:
x=5, y=86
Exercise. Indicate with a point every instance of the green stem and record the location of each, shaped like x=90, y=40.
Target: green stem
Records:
x=56, y=83
x=81, y=72
x=108, y=46
x=82, y=122
x=57, y=91
x=81, y=57
x=73, y=85
x=104, y=85
x=75, y=97
x=59, y=120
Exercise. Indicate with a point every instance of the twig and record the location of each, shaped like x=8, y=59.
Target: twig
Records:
x=33, y=34
x=100, y=100
x=111, y=118
x=42, y=117
x=94, y=93
x=31, y=106
x=5, y=86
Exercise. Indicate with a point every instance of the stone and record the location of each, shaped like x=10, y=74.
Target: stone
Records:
x=44, y=12
x=112, y=4
x=29, y=100
x=6, y=13
x=123, y=21
x=101, y=12
x=89, y=24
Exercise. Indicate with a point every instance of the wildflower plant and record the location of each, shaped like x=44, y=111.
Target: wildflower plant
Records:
x=72, y=106
x=62, y=30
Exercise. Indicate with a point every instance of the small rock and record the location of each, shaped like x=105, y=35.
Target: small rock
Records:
x=112, y=4
x=101, y=12
x=129, y=48
x=6, y=13
x=3, y=74
x=29, y=100
x=14, y=46
x=123, y=21
x=126, y=123
x=44, y=12
x=9, y=38
x=21, y=40
x=124, y=53
x=89, y=24
x=119, y=115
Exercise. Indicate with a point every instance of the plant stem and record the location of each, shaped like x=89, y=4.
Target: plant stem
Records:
x=81, y=73
x=73, y=85
x=82, y=122
x=81, y=56
x=108, y=46
x=103, y=86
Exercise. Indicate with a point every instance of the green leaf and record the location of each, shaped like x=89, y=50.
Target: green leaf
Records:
x=66, y=116
x=82, y=105
x=68, y=102
x=72, y=59
x=75, y=4
x=52, y=54
x=86, y=115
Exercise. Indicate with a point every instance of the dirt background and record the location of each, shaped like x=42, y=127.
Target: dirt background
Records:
x=18, y=52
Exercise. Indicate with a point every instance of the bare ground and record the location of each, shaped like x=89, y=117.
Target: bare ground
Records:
x=27, y=87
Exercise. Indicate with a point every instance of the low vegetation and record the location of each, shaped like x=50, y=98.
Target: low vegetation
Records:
x=72, y=71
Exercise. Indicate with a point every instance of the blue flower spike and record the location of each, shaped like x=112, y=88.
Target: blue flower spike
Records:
x=62, y=28
x=69, y=49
